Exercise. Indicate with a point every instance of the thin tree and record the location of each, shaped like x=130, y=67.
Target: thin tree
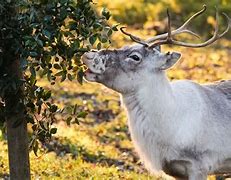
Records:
x=43, y=38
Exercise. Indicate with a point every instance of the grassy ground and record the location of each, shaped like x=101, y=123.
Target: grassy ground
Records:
x=100, y=147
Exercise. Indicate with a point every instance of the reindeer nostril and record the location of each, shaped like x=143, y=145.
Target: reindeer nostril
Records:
x=96, y=61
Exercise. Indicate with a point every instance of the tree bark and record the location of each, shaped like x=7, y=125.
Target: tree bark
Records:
x=18, y=152
x=17, y=137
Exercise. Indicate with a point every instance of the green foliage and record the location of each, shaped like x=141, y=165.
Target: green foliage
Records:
x=44, y=38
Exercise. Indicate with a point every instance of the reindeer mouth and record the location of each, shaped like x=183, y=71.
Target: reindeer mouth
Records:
x=90, y=70
x=90, y=74
x=90, y=66
x=86, y=66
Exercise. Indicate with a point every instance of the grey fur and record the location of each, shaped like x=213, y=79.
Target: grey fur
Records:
x=223, y=86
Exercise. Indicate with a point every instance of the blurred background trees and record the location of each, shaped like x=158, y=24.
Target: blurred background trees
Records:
x=151, y=14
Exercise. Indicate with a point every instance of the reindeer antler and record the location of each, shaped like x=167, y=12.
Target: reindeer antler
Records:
x=134, y=38
x=181, y=29
x=167, y=38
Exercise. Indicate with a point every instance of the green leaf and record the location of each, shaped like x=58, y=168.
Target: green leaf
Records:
x=109, y=33
x=80, y=75
x=92, y=39
x=103, y=40
x=72, y=25
x=47, y=95
x=53, y=108
x=60, y=73
x=33, y=54
x=46, y=33
x=115, y=27
x=30, y=119
x=48, y=19
x=69, y=120
x=23, y=63
x=63, y=13
x=64, y=76
x=63, y=2
x=40, y=43
x=69, y=76
x=76, y=121
x=82, y=114
x=49, y=75
x=34, y=127
x=53, y=130
x=57, y=66
x=106, y=13
x=99, y=46
x=32, y=71
x=35, y=147
x=75, y=109
x=75, y=44
x=98, y=26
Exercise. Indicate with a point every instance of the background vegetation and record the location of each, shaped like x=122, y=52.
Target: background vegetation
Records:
x=100, y=147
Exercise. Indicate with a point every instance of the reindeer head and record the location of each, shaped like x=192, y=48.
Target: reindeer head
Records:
x=127, y=68
x=124, y=69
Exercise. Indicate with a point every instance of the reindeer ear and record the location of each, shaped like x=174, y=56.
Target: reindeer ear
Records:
x=170, y=60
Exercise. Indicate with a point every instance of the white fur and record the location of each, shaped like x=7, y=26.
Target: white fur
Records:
x=174, y=118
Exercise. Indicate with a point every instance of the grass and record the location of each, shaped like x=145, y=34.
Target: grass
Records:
x=98, y=148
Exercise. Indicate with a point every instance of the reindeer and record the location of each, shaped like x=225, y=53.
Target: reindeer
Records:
x=181, y=127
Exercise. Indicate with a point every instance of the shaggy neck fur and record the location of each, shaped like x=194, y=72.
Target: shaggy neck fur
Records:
x=148, y=119
x=152, y=99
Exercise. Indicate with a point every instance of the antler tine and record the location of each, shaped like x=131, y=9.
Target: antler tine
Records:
x=228, y=26
x=134, y=38
x=215, y=36
x=191, y=18
x=168, y=39
x=169, y=26
x=181, y=29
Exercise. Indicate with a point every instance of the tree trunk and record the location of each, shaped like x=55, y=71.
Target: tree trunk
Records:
x=17, y=136
x=18, y=150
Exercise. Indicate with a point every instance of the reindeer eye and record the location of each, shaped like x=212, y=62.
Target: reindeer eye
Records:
x=135, y=57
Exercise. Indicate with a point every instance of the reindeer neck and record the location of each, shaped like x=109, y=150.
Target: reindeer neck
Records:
x=154, y=98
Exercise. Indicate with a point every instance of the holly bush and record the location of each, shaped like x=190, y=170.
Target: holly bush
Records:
x=44, y=38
